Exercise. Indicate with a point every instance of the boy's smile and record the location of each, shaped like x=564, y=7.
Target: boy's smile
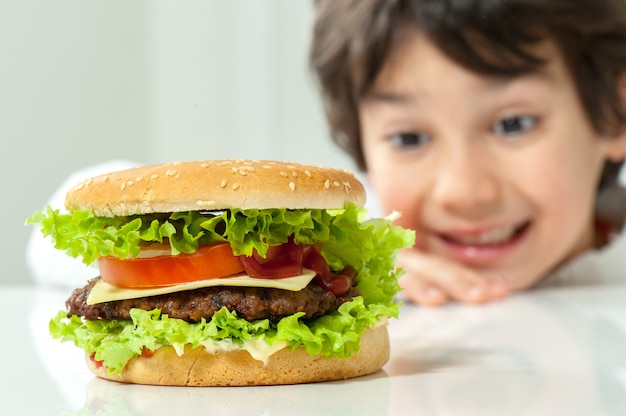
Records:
x=477, y=247
x=497, y=174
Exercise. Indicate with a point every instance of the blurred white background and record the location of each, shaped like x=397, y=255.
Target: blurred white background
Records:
x=149, y=81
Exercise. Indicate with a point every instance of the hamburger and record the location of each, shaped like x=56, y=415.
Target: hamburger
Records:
x=224, y=273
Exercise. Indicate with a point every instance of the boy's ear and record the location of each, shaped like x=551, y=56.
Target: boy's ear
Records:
x=617, y=147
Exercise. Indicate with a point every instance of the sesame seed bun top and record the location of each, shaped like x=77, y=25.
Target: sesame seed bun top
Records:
x=215, y=185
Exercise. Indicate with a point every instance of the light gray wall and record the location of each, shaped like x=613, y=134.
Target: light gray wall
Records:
x=150, y=81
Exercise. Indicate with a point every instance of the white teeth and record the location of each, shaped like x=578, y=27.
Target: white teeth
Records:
x=495, y=236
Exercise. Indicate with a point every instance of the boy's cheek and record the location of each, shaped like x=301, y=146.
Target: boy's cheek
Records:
x=392, y=201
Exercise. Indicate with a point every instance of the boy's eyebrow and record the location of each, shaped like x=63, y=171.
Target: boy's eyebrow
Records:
x=399, y=98
x=387, y=96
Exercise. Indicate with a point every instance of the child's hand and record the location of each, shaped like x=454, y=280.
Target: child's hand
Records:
x=433, y=281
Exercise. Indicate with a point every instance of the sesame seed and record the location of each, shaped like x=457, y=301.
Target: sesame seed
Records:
x=177, y=176
x=223, y=183
x=130, y=183
x=283, y=174
x=139, y=179
x=295, y=174
x=308, y=173
x=236, y=186
x=336, y=183
x=242, y=172
x=205, y=165
x=154, y=176
x=327, y=184
x=292, y=186
x=171, y=172
x=123, y=186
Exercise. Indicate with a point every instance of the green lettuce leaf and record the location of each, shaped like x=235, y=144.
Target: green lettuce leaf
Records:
x=82, y=234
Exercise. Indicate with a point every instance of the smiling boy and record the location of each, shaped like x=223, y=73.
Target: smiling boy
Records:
x=491, y=126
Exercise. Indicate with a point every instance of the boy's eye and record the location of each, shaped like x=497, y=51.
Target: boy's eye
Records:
x=409, y=140
x=514, y=125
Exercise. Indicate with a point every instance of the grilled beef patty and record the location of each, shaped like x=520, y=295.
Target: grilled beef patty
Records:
x=193, y=305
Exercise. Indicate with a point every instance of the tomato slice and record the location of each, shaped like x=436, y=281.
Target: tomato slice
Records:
x=208, y=262
x=280, y=261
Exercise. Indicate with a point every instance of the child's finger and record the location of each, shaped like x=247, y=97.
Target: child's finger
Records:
x=426, y=275
x=422, y=292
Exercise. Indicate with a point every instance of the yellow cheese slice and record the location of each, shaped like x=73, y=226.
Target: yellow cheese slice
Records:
x=104, y=292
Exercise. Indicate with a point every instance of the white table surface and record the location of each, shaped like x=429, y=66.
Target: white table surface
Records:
x=547, y=352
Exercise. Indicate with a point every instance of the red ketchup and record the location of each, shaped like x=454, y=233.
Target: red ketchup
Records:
x=288, y=259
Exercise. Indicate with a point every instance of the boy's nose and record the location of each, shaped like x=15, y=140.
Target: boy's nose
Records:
x=466, y=186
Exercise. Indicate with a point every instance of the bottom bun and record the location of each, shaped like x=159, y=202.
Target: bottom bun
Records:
x=196, y=367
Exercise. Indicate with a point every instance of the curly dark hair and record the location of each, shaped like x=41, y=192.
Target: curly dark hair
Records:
x=352, y=40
